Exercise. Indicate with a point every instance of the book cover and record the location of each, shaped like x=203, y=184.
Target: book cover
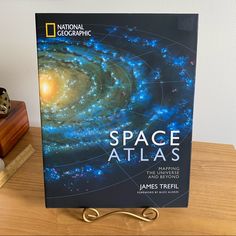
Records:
x=116, y=96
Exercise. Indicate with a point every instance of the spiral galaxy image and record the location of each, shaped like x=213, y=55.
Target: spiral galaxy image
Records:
x=121, y=78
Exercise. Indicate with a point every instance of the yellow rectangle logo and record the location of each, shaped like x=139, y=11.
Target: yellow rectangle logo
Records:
x=50, y=30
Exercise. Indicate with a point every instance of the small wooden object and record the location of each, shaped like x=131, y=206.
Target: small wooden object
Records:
x=13, y=127
x=14, y=165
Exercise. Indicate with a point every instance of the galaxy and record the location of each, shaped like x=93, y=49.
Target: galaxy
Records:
x=120, y=79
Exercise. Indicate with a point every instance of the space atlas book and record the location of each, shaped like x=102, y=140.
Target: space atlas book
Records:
x=116, y=100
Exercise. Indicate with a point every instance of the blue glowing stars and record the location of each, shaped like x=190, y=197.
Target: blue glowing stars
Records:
x=119, y=80
x=51, y=174
x=179, y=61
x=164, y=52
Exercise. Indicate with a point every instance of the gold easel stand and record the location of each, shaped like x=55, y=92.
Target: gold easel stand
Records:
x=148, y=214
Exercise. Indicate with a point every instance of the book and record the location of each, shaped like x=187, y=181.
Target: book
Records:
x=116, y=95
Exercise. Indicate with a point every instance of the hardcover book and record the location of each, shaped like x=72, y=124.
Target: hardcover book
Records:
x=116, y=95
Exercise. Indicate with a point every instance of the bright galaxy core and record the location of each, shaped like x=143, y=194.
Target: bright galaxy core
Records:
x=123, y=79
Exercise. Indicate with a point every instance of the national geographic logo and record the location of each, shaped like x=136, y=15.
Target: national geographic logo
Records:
x=50, y=30
x=53, y=30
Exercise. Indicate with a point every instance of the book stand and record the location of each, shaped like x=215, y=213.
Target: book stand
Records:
x=148, y=214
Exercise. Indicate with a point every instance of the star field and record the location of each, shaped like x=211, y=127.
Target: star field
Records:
x=121, y=80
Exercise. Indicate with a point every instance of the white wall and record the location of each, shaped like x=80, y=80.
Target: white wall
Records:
x=215, y=100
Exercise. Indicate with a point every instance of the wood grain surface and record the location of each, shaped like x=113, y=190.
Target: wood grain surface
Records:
x=212, y=208
x=13, y=127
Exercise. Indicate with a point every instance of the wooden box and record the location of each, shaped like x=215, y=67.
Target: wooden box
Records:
x=13, y=127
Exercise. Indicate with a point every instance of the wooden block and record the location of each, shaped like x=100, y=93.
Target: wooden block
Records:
x=19, y=160
x=13, y=127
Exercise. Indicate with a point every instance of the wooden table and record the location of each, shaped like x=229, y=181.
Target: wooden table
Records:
x=212, y=209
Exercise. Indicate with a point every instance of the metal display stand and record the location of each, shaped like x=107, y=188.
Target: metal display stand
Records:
x=149, y=214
